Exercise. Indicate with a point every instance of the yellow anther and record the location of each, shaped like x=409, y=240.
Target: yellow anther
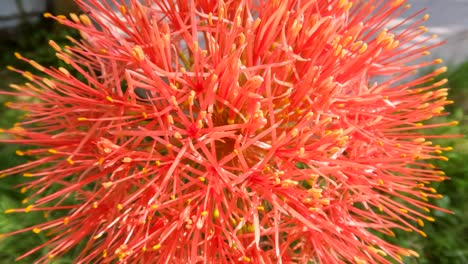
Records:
x=382, y=35
x=260, y=208
x=420, y=222
x=52, y=151
x=422, y=233
x=82, y=118
x=137, y=53
x=380, y=207
x=202, y=179
x=85, y=20
x=66, y=220
x=36, y=65
x=64, y=71
x=74, y=17
x=294, y=132
x=123, y=10
x=177, y=135
x=95, y=205
x=119, y=207
x=70, y=161
x=440, y=83
x=108, y=98
x=204, y=213
x=107, y=184
x=28, y=174
x=156, y=247
x=28, y=75
x=363, y=48
x=174, y=100
x=170, y=119
x=359, y=261
x=49, y=83
x=62, y=58
x=443, y=158
x=36, y=230
x=440, y=70
x=397, y=3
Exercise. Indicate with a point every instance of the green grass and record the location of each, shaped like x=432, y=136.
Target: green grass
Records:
x=446, y=242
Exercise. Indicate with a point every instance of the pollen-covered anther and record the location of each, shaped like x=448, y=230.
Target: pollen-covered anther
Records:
x=123, y=10
x=289, y=183
x=28, y=75
x=107, y=184
x=397, y=3
x=358, y=260
x=156, y=247
x=173, y=100
x=62, y=57
x=127, y=160
x=382, y=36
x=377, y=251
x=138, y=53
x=49, y=83
x=170, y=119
x=74, y=18
x=36, y=65
x=85, y=20
x=246, y=259
x=191, y=98
x=294, y=132
x=301, y=151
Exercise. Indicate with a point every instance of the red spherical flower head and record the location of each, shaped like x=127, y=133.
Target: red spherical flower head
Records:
x=236, y=131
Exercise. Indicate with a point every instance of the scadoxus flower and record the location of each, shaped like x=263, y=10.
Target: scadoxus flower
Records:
x=232, y=131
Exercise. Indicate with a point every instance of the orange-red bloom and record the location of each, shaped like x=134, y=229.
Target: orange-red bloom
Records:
x=210, y=131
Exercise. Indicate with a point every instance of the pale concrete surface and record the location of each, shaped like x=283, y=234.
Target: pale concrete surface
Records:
x=449, y=20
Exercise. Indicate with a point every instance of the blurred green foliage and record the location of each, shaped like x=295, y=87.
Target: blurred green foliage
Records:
x=447, y=242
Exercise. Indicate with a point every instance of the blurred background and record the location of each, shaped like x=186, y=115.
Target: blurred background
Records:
x=24, y=30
